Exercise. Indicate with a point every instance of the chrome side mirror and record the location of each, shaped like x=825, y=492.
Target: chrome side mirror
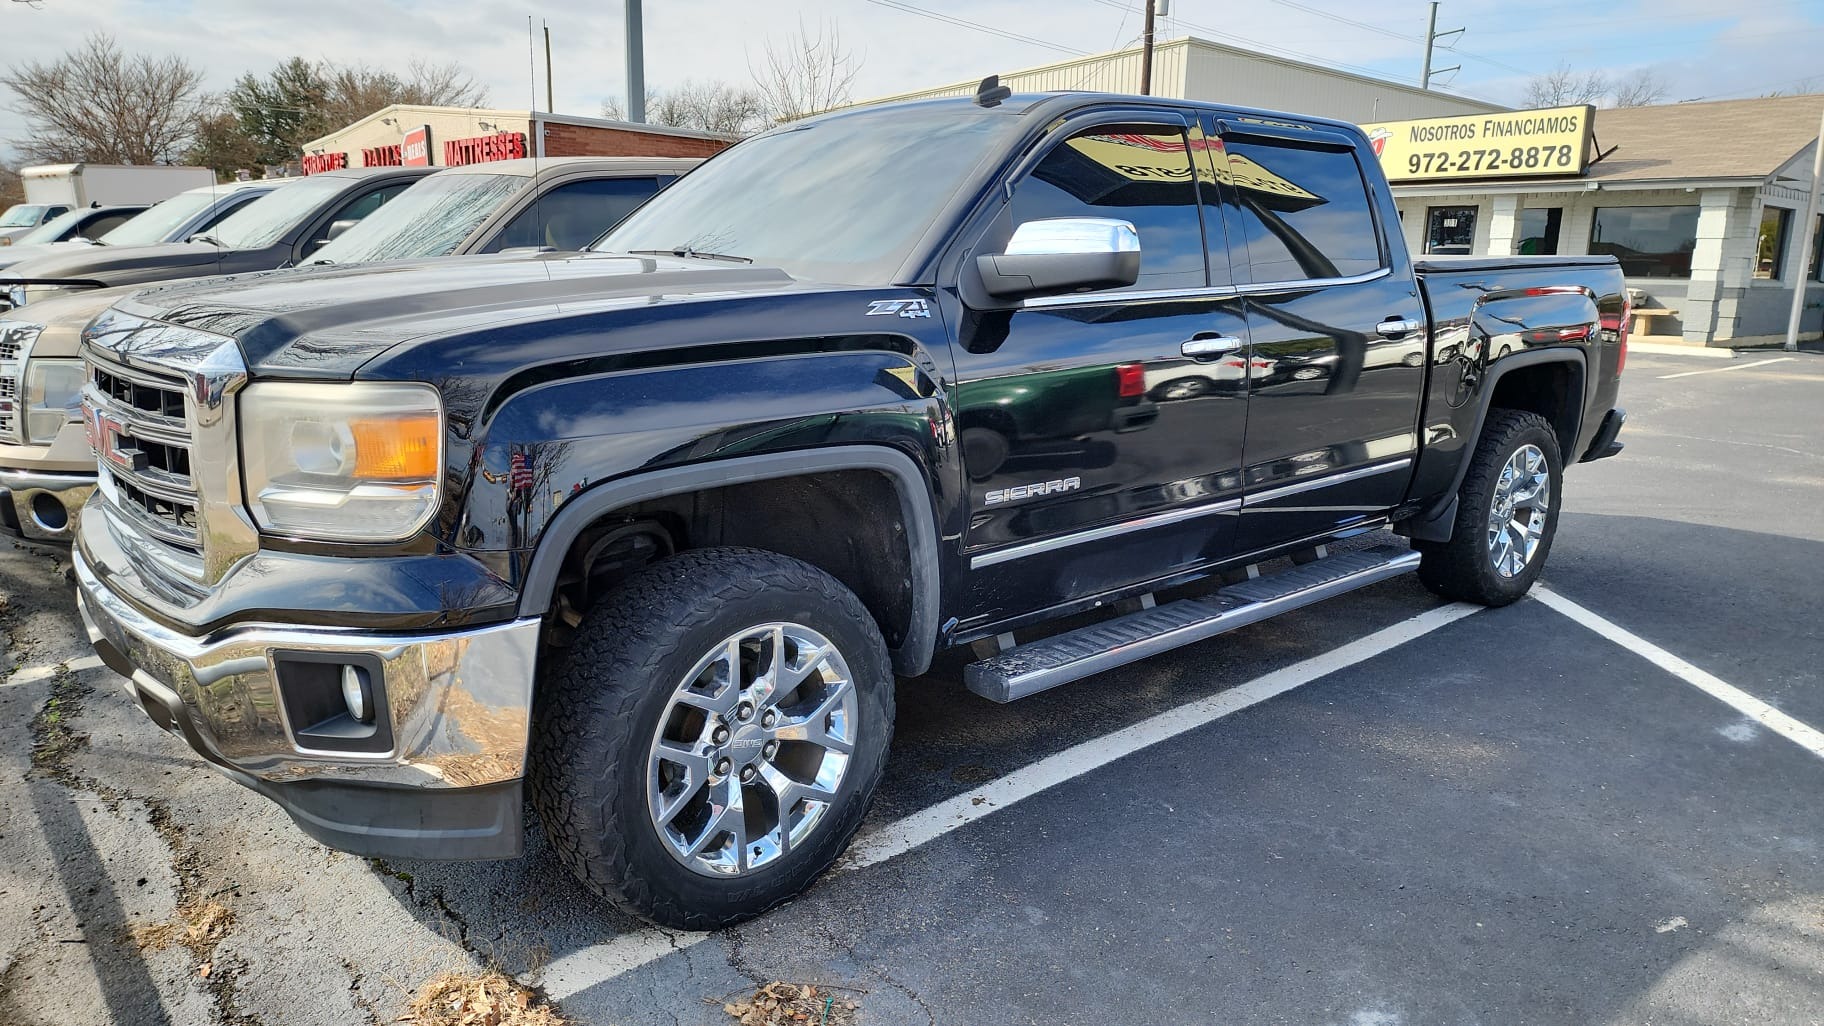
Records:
x=1062, y=255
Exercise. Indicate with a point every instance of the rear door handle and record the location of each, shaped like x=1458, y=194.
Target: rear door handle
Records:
x=1206, y=346
x=1395, y=327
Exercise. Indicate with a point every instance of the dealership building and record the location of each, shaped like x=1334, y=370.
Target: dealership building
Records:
x=452, y=136
x=1701, y=202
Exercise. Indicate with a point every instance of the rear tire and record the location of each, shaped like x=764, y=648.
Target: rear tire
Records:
x=643, y=751
x=1507, y=514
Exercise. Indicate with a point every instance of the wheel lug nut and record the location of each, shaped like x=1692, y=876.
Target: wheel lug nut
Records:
x=722, y=767
x=748, y=773
x=744, y=711
x=769, y=719
x=771, y=749
x=721, y=735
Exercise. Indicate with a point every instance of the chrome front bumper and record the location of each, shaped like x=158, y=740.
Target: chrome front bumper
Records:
x=458, y=706
x=42, y=507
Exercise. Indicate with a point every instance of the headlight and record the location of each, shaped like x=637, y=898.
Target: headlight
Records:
x=53, y=398
x=15, y=295
x=342, y=462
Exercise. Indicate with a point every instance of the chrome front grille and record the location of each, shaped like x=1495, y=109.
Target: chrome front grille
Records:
x=15, y=339
x=143, y=444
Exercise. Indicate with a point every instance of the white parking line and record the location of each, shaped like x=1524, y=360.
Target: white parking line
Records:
x=1724, y=370
x=28, y=674
x=1802, y=734
x=1658, y=349
x=598, y=963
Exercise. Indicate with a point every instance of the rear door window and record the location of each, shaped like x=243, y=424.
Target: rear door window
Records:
x=1305, y=211
x=572, y=216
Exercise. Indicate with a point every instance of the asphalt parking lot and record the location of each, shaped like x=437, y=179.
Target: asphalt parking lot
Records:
x=1377, y=811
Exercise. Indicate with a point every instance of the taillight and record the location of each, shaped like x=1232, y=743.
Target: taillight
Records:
x=1621, y=332
x=1130, y=380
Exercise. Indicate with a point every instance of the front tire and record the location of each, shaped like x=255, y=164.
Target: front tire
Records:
x=713, y=737
x=1507, y=514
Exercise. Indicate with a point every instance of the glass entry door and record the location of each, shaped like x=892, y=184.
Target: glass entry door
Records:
x=1450, y=231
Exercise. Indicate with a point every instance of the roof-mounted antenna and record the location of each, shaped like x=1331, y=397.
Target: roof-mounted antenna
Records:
x=991, y=92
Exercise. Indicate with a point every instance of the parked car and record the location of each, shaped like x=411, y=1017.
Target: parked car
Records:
x=646, y=533
x=82, y=223
x=276, y=230
x=172, y=220
x=46, y=468
x=559, y=203
x=52, y=190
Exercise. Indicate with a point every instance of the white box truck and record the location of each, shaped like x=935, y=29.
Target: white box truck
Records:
x=55, y=189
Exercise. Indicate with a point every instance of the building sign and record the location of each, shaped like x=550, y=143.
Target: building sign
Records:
x=415, y=151
x=383, y=156
x=1515, y=144
x=317, y=163
x=484, y=148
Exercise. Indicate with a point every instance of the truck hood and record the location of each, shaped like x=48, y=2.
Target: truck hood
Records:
x=124, y=265
x=328, y=321
x=10, y=255
x=62, y=318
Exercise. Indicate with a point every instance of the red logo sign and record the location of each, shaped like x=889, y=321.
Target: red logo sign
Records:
x=317, y=163
x=484, y=148
x=415, y=151
x=1378, y=139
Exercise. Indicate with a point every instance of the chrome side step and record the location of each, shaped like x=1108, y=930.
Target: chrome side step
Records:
x=1060, y=659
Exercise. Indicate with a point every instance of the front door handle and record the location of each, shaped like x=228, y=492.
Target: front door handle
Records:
x=1395, y=327
x=1207, y=346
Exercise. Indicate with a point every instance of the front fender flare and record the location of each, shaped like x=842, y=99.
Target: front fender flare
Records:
x=913, y=657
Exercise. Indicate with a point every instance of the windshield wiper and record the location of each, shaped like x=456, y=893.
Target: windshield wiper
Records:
x=210, y=239
x=695, y=254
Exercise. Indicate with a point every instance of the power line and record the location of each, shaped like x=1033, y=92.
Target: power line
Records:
x=897, y=5
x=1270, y=49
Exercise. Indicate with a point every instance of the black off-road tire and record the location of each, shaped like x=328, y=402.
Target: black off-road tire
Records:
x=597, y=713
x=1461, y=568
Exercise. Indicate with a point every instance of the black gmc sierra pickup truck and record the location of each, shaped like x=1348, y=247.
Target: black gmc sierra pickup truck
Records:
x=647, y=532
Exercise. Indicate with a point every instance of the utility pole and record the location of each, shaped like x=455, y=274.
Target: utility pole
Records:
x=1432, y=35
x=636, y=65
x=1146, y=52
x=550, y=104
x=1805, y=244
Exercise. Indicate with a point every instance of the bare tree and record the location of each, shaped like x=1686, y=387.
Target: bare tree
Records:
x=705, y=106
x=1562, y=87
x=96, y=104
x=1639, y=89
x=353, y=91
x=806, y=74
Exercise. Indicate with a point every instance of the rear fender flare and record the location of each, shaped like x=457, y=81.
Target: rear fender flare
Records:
x=912, y=658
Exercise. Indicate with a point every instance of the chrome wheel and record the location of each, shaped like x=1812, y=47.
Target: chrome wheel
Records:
x=752, y=749
x=1517, y=515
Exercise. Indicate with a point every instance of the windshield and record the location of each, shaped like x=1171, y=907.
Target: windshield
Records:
x=267, y=219
x=430, y=219
x=52, y=230
x=21, y=215
x=842, y=200
x=157, y=224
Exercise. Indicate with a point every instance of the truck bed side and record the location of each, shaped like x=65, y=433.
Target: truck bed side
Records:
x=1524, y=331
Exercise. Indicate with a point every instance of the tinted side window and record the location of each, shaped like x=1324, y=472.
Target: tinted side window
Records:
x=1141, y=176
x=1304, y=211
x=103, y=225
x=221, y=212
x=367, y=203
x=574, y=215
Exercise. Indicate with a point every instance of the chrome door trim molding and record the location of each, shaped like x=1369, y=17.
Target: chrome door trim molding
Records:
x=1327, y=480
x=1033, y=548
x=1201, y=292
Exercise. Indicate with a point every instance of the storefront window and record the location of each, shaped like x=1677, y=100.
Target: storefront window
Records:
x=1817, y=252
x=1650, y=242
x=1539, y=231
x=1770, y=249
x=1450, y=231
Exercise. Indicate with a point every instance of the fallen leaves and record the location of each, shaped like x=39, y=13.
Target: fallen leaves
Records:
x=478, y=999
x=197, y=926
x=793, y=1004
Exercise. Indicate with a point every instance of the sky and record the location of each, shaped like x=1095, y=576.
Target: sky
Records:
x=1702, y=48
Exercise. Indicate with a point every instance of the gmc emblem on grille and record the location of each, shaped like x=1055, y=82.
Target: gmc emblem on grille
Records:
x=105, y=434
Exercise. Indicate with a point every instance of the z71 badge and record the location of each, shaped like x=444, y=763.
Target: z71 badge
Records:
x=1018, y=492
x=902, y=307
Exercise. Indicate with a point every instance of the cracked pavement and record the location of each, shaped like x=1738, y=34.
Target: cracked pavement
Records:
x=1508, y=820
